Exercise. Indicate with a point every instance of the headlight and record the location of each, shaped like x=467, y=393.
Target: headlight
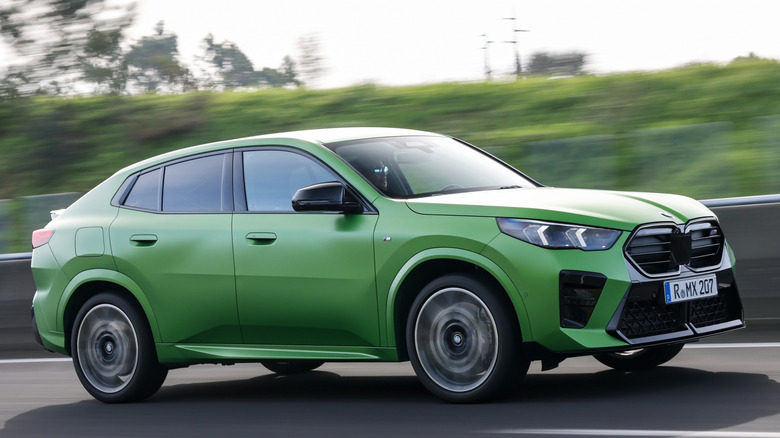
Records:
x=559, y=236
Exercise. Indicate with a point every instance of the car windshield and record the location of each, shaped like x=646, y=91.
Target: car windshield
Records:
x=408, y=167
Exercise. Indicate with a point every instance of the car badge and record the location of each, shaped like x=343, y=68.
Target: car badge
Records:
x=665, y=214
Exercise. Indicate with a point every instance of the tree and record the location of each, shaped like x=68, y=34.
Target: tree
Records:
x=234, y=68
x=288, y=72
x=62, y=45
x=103, y=62
x=550, y=64
x=154, y=66
x=310, y=62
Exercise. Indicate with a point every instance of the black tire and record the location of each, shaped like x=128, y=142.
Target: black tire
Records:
x=113, y=350
x=293, y=366
x=462, y=340
x=640, y=359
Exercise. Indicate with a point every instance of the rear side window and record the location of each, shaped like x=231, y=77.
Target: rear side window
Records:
x=194, y=185
x=146, y=191
x=200, y=185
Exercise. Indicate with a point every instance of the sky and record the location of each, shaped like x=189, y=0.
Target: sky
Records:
x=403, y=42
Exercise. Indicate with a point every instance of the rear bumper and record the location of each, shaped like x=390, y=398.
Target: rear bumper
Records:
x=36, y=333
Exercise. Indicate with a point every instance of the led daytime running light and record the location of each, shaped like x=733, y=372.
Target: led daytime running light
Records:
x=559, y=236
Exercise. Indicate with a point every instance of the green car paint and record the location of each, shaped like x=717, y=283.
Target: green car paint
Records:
x=250, y=278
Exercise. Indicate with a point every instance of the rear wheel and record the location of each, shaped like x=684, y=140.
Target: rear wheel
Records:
x=643, y=358
x=113, y=350
x=293, y=366
x=462, y=341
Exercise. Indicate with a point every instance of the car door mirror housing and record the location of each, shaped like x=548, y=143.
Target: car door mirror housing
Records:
x=328, y=196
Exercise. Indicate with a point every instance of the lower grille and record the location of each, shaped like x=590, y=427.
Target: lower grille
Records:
x=644, y=318
x=645, y=314
x=709, y=311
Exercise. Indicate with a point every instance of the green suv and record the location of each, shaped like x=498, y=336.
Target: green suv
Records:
x=370, y=244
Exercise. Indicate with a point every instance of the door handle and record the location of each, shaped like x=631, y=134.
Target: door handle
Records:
x=143, y=239
x=261, y=238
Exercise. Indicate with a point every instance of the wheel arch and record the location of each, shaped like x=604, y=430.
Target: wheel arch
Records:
x=424, y=267
x=90, y=283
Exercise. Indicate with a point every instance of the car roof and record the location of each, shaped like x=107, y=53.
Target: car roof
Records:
x=317, y=136
x=334, y=135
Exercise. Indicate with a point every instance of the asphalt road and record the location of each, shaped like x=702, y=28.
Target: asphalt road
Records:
x=727, y=386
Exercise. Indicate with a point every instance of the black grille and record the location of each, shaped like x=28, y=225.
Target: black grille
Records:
x=707, y=244
x=709, y=311
x=644, y=318
x=651, y=249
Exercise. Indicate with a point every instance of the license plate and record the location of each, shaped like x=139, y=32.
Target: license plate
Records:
x=690, y=289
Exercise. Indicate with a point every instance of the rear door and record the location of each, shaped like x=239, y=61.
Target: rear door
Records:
x=172, y=237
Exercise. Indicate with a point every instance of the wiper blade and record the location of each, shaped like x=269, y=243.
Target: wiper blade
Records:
x=510, y=187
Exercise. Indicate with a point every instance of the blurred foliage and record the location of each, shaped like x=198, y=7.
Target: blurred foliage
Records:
x=233, y=68
x=78, y=47
x=63, y=43
x=154, y=63
x=706, y=131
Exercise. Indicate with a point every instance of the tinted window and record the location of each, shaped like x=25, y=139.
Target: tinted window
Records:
x=145, y=192
x=426, y=165
x=272, y=178
x=194, y=185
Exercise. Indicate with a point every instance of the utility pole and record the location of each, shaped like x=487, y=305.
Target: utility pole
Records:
x=515, y=30
x=487, y=60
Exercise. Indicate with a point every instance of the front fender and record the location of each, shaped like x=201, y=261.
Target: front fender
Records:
x=108, y=276
x=460, y=255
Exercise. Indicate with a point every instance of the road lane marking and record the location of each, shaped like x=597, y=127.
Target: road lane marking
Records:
x=632, y=433
x=737, y=345
x=42, y=360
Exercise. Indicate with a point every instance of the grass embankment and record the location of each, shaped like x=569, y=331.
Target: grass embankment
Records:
x=628, y=131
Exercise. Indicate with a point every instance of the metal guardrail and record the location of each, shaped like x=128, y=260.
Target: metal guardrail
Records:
x=742, y=201
x=15, y=256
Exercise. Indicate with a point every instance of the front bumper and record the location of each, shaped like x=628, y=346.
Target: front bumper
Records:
x=643, y=318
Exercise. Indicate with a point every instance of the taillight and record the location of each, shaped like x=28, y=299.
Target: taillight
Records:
x=41, y=237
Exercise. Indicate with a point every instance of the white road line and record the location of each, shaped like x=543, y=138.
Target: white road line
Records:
x=632, y=433
x=736, y=345
x=42, y=360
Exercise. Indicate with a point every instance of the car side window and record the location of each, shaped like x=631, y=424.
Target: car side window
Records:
x=194, y=185
x=272, y=177
x=145, y=192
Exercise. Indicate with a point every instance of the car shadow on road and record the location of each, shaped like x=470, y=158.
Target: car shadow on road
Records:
x=323, y=403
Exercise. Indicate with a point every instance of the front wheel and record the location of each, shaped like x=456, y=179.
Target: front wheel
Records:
x=462, y=341
x=643, y=358
x=113, y=350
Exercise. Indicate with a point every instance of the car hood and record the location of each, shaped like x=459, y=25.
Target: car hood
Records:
x=618, y=210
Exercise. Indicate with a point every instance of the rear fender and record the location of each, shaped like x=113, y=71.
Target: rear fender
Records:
x=108, y=276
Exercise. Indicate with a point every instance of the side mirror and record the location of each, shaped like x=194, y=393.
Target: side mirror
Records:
x=329, y=196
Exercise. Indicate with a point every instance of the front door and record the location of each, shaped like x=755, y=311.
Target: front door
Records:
x=301, y=278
